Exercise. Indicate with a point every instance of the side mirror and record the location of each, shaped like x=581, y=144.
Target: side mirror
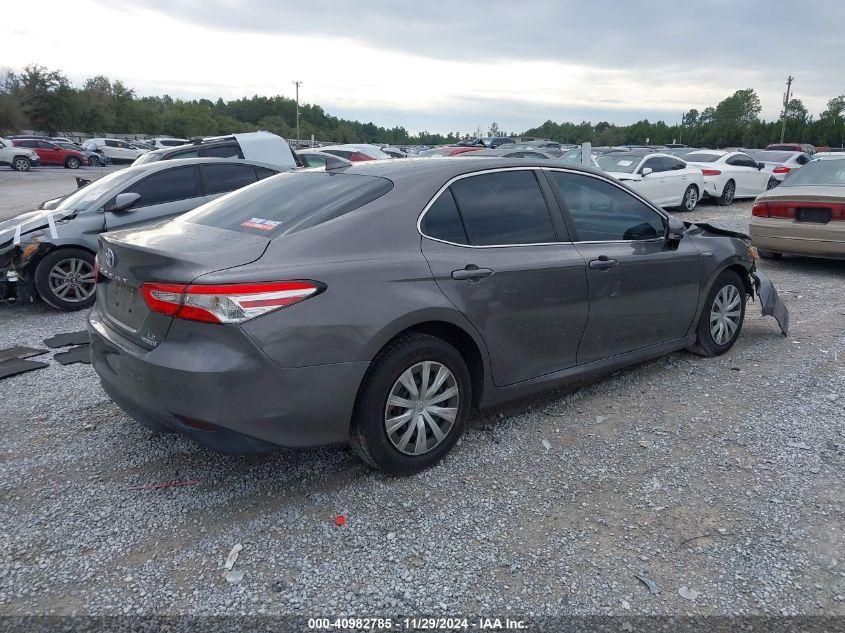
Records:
x=675, y=231
x=646, y=171
x=124, y=201
x=760, y=165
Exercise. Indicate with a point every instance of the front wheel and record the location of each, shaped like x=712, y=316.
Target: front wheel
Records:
x=690, y=199
x=728, y=194
x=64, y=279
x=412, y=405
x=722, y=317
x=21, y=163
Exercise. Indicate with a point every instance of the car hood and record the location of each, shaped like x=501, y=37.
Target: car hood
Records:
x=13, y=229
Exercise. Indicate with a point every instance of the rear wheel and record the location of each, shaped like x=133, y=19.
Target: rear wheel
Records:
x=72, y=162
x=64, y=279
x=728, y=194
x=690, y=199
x=412, y=405
x=722, y=317
x=773, y=182
x=21, y=163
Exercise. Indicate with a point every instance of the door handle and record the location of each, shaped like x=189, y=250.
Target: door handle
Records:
x=603, y=263
x=471, y=273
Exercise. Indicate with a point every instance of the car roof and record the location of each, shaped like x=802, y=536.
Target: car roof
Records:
x=161, y=165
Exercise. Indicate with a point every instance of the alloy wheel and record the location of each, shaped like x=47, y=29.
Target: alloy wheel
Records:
x=72, y=280
x=421, y=408
x=691, y=199
x=772, y=183
x=730, y=189
x=725, y=314
x=21, y=164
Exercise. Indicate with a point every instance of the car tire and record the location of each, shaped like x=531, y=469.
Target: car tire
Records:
x=76, y=267
x=769, y=254
x=93, y=161
x=21, y=163
x=728, y=194
x=72, y=162
x=773, y=182
x=402, y=362
x=726, y=305
x=690, y=199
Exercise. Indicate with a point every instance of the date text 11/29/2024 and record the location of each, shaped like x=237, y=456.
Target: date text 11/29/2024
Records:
x=417, y=624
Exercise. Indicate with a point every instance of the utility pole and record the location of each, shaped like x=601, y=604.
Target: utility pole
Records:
x=297, y=84
x=785, y=105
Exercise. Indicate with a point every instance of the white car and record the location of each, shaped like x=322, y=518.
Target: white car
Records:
x=778, y=164
x=114, y=149
x=665, y=180
x=729, y=175
x=166, y=141
x=18, y=158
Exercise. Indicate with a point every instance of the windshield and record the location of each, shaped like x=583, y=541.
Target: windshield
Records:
x=625, y=163
x=149, y=157
x=83, y=197
x=696, y=157
x=818, y=172
x=290, y=202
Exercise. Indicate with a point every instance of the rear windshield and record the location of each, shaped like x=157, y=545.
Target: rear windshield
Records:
x=818, y=172
x=771, y=157
x=697, y=157
x=290, y=202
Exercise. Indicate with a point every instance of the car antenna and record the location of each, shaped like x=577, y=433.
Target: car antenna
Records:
x=336, y=162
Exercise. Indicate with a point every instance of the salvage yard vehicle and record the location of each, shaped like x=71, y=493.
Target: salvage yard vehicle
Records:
x=265, y=147
x=356, y=151
x=166, y=141
x=778, y=164
x=18, y=158
x=92, y=159
x=114, y=149
x=49, y=254
x=665, y=180
x=52, y=153
x=805, y=215
x=729, y=175
x=376, y=303
x=507, y=153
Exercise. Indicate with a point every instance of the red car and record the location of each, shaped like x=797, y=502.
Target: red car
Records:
x=452, y=150
x=51, y=154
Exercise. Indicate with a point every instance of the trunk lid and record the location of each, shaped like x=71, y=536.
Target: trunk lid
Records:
x=172, y=252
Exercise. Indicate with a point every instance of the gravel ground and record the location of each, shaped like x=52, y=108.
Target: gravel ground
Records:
x=720, y=480
x=24, y=191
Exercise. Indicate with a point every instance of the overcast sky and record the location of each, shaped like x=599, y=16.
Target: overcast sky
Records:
x=447, y=65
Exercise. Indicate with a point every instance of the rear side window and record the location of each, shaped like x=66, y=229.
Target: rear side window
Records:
x=314, y=160
x=188, y=153
x=291, y=202
x=504, y=207
x=603, y=212
x=222, y=151
x=223, y=178
x=263, y=173
x=166, y=186
x=442, y=221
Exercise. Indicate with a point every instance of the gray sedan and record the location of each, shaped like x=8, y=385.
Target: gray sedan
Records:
x=50, y=253
x=378, y=303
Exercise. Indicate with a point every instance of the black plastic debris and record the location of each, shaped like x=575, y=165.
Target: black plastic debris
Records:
x=67, y=339
x=20, y=352
x=81, y=354
x=17, y=366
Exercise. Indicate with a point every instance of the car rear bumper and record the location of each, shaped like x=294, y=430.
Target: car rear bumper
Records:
x=218, y=388
x=800, y=238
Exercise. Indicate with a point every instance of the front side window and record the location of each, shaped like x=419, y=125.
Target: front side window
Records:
x=504, y=207
x=224, y=178
x=672, y=164
x=602, y=212
x=165, y=186
x=656, y=164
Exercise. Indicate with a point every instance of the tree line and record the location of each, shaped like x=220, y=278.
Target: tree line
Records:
x=45, y=100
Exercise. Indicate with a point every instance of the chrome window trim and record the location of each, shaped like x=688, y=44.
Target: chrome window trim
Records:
x=567, y=170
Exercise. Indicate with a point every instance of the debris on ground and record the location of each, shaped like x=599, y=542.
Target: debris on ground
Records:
x=688, y=594
x=233, y=556
x=234, y=576
x=648, y=582
x=67, y=339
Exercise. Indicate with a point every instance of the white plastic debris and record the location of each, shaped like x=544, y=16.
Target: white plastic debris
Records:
x=234, y=577
x=233, y=556
x=546, y=444
x=688, y=594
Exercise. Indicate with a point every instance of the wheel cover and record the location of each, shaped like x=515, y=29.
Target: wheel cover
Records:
x=72, y=280
x=691, y=199
x=21, y=164
x=725, y=314
x=421, y=408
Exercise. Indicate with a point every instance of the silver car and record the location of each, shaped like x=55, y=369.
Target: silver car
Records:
x=49, y=254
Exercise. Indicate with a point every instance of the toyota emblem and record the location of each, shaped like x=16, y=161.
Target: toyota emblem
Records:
x=111, y=258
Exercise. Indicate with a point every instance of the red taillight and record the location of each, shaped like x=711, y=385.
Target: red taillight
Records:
x=711, y=172
x=788, y=210
x=781, y=170
x=226, y=303
x=760, y=210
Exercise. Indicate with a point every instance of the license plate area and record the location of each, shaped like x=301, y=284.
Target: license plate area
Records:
x=123, y=305
x=813, y=215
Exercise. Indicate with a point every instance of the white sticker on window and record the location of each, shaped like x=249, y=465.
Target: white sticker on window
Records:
x=625, y=163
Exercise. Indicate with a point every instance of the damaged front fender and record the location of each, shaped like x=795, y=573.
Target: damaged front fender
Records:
x=770, y=303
